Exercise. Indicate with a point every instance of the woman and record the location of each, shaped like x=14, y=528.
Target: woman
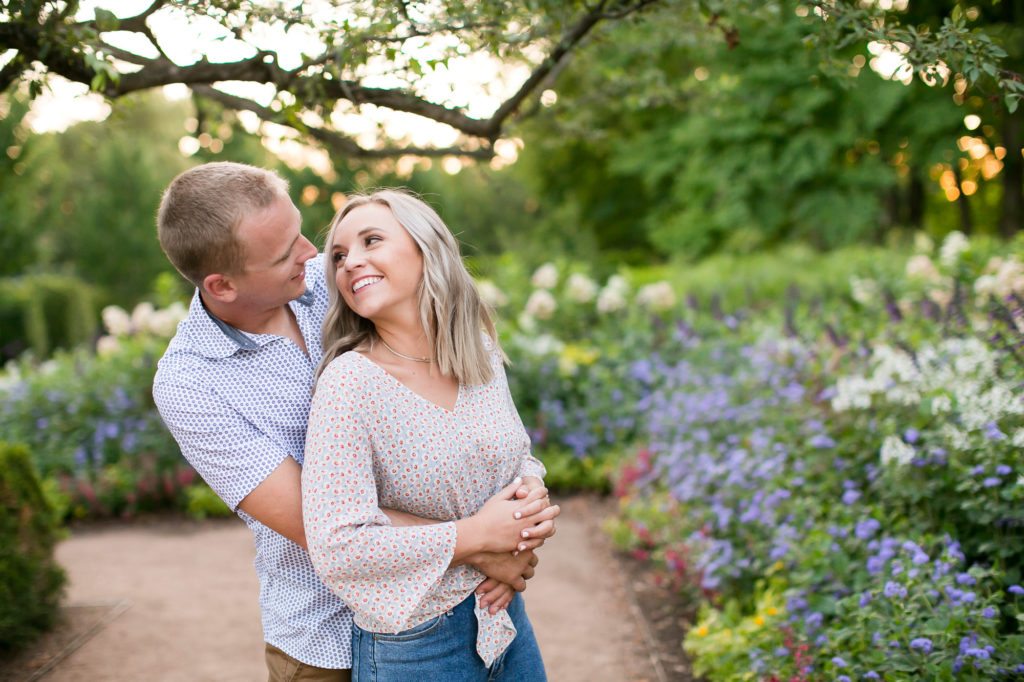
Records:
x=412, y=412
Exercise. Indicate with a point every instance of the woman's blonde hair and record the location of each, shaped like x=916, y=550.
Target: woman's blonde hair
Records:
x=451, y=310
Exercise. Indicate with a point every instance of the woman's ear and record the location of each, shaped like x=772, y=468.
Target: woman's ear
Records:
x=220, y=287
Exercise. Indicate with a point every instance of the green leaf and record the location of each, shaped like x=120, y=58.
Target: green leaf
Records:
x=106, y=20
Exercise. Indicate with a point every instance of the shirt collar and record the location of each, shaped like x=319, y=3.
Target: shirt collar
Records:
x=218, y=339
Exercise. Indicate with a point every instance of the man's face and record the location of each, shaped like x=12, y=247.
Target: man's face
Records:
x=275, y=256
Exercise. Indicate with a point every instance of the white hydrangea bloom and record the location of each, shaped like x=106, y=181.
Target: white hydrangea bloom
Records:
x=491, y=294
x=609, y=301
x=539, y=346
x=953, y=245
x=107, y=346
x=617, y=284
x=541, y=304
x=923, y=243
x=116, y=320
x=527, y=322
x=545, y=277
x=894, y=450
x=657, y=296
x=141, y=314
x=921, y=267
x=581, y=288
x=864, y=290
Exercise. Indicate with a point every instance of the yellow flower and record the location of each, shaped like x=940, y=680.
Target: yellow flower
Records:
x=771, y=610
x=759, y=621
x=702, y=631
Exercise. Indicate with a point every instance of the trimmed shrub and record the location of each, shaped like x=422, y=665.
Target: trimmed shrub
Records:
x=31, y=582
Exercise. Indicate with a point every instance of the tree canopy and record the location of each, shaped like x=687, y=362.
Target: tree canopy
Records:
x=310, y=63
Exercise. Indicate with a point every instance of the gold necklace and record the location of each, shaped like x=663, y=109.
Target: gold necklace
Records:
x=403, y=355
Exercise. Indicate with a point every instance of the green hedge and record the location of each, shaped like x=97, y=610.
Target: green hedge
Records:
x=31, y=582
x=45, y=311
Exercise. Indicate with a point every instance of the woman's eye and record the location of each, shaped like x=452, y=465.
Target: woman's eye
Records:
x=337, y=258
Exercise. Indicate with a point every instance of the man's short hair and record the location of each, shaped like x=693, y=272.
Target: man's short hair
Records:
x=200, y=213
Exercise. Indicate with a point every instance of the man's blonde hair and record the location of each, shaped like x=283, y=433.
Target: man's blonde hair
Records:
x=200, y=213
x=453, y=315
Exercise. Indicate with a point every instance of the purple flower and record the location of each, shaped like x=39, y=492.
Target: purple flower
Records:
x=871, y=675
x=965, y=579
x=992, y=431
x=865, y=599
x=865, y=529
x=992, y=481
x=1016, y=589
x=850, y=496
x=1003, y=470
x=922, y=643
x=911, y=435
x=893, y=589
x=977, y=653
x=822, y=441
x=838, y=662
x=978, y=470
x=781, y=652
x=989, y=612
x=843, y=678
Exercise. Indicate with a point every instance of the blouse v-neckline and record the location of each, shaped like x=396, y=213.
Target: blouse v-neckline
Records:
x=405, y=387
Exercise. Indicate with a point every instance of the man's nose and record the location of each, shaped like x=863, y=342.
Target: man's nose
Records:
x=307, y=249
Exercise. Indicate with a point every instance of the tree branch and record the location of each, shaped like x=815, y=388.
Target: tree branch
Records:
x=340, y=143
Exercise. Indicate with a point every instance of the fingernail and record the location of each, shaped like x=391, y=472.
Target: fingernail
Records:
x=526, y=533
x=515, y=553
x=518, y=515
x=522, y=547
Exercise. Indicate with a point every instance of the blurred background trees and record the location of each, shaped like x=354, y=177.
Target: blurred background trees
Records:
x=677, y=130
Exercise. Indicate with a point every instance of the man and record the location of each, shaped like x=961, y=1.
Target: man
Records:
x=234, y=388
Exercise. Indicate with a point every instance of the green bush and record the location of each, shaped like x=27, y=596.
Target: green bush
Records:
x=43, y=312
x=31, y=582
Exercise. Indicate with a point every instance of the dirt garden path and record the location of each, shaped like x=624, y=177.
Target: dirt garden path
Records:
x=171, y=600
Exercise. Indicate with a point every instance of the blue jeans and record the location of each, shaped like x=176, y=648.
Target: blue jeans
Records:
x=444, y=649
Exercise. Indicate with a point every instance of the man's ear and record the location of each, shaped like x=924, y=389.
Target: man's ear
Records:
x=220, y=287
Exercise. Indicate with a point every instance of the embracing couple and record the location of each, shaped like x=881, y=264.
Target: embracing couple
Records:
x=352, y=407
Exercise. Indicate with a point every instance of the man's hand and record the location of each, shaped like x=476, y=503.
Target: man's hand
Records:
x=514, y=570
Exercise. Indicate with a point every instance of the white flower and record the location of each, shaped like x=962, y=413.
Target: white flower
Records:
x=107, y=346
x=610, y=300
x=116, y=320
x=162, y=322
x=941, y=404
x=491, y=294
x=141, y=315
x=922, y=267
x=541, y=304
x=1018, y=438
x=539, y=346
x=864, y=291
x=527, y=322
x=895, y=450
x=953, y=245
x=581, y=288
x=923, y=243
x=545, y=277
x=656, y=296
x=618, y=285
